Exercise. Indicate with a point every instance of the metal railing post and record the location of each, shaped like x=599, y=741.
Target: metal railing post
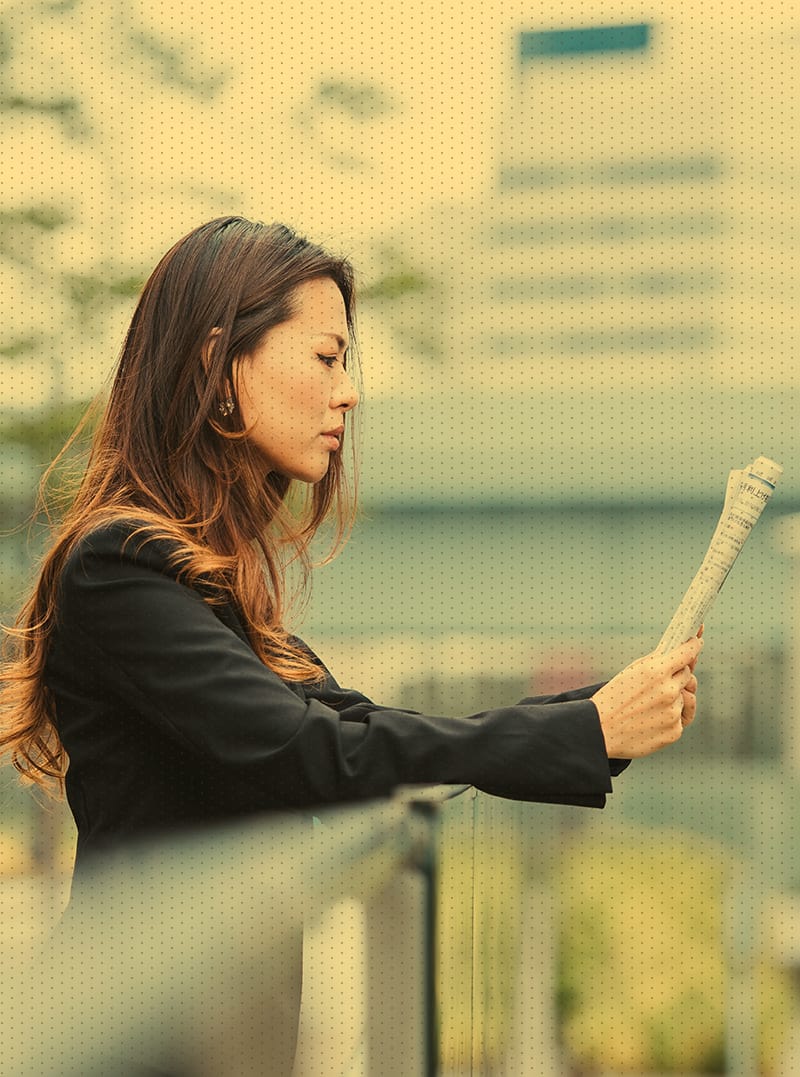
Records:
x=401, y=1032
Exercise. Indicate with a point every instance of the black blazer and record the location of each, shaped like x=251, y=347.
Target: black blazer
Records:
x=170, y=719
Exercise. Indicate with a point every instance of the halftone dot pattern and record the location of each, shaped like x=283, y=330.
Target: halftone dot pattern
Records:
x=580, y=276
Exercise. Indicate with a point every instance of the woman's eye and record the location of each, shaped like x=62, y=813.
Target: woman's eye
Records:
x=328, y=360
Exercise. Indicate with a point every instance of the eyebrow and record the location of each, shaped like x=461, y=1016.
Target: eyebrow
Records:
x=343, y=344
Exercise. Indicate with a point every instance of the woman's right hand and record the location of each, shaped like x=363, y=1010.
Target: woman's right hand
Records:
x=648, y=704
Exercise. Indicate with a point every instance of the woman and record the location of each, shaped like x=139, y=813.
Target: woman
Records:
x=153, y=654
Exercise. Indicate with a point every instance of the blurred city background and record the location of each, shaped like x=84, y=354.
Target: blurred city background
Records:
x=577, y=241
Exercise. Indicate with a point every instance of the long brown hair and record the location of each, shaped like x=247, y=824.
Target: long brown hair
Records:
x=166, y=455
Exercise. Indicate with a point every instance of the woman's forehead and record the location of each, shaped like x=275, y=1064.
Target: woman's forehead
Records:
x=319, y=309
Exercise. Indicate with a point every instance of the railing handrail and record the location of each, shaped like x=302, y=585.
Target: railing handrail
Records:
x=160, y=914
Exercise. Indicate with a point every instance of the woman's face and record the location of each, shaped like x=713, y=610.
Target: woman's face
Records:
x=294, y=390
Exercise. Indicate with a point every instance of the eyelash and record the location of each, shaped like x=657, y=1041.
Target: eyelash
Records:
x=328, y=360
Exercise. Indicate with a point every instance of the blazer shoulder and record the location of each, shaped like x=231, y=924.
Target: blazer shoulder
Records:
x=109, y=559
x=124, y=541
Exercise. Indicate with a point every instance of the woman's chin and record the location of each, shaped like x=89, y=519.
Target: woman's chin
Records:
x=309, y=475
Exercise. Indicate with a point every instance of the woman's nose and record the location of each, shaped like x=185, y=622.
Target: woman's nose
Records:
x=346, y=394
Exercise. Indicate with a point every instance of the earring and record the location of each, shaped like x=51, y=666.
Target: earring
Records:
x=227, y=406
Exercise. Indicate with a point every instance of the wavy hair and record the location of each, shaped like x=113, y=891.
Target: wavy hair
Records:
x=167, y=456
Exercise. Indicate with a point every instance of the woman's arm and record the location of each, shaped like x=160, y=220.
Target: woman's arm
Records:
x=147, y=640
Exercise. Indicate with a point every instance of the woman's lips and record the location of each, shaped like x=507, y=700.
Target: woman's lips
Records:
x=333, y=438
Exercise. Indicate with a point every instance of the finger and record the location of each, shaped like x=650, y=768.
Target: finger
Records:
x=693, y=662
x=691, y=685
x=683, y=677
x=684, y=654
x=689, y=708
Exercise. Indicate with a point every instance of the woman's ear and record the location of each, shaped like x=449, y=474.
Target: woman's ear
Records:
x=227, y=406
x=208, y=347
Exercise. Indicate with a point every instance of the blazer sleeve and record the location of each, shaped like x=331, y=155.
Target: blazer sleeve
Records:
x=162, y=649
x=616, y=766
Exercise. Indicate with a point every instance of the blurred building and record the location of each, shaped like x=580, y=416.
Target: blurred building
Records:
x=605, y=333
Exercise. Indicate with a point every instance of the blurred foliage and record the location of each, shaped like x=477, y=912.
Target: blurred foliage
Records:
x=90, y=291
x=361, y=101
x=46, y=432
x=643, y=970
x=67, y=110
x=173, y=64
x=393, y=285
x=398, y=278
x=48, y=218
x=407, y=298
x=643, y=973
x=21, y=229
x=19, y=347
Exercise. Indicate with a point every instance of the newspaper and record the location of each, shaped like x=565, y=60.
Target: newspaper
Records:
x=746, y=495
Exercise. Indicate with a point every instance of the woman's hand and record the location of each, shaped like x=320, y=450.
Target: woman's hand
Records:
x=650, y=703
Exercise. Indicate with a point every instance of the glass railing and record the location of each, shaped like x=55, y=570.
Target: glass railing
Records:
x=443, y=932
x=193, y=956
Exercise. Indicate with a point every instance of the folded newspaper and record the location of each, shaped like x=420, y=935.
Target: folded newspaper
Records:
x=746, y=495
